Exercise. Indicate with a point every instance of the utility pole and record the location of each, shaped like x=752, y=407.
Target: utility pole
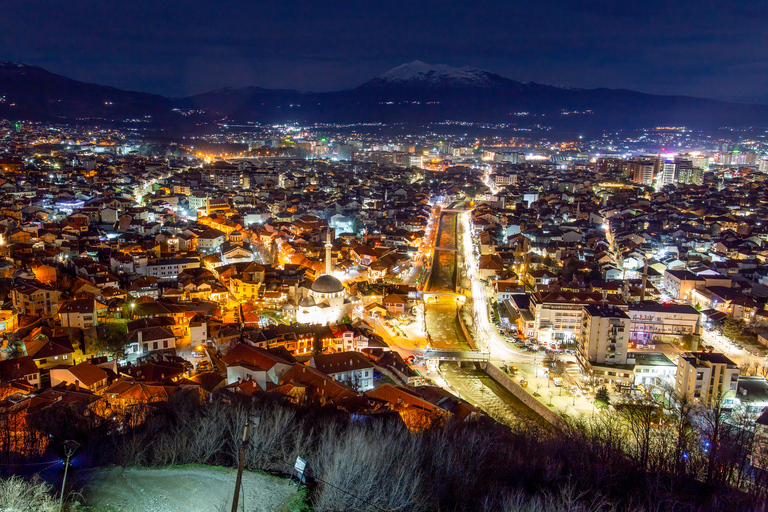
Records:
x=69, y=449
x=241, y=463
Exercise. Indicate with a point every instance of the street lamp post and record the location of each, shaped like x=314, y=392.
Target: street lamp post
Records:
x=70, y=447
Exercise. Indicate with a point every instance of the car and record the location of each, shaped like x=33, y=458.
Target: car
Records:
x=513, y=370
x=203, y=366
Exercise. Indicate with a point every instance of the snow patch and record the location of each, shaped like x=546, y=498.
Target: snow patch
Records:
x=421, y=73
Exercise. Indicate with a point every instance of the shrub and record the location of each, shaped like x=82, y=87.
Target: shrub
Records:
x=20, y=495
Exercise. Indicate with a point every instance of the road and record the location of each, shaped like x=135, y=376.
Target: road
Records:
x=486, y=335
x=723, y=344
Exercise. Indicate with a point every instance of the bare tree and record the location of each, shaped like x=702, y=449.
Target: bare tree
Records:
x=640, y=416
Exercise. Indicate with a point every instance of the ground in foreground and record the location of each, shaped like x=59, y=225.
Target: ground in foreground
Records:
x=183, y=488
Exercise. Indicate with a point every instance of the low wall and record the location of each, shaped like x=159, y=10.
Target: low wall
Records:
x=514, y=388
x=464, y=329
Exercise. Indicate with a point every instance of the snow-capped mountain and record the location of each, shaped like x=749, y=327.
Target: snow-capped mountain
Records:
x=416, y=93
x=421, y=74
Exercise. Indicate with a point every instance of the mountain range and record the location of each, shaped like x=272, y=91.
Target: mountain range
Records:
x=416, y=92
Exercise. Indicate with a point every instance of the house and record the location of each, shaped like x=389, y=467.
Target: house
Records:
x=252, y=363
x=20, y=369
x=489, y=265
x=80, y=313
x=395, y=304
x=150, y=338
x=84, y=375
x=350, y=368
x=49, y=351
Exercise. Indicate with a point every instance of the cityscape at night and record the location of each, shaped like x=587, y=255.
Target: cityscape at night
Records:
x=295, y=269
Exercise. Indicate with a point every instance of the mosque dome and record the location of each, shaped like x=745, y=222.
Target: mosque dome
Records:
x=327, y=284
x=307, y=302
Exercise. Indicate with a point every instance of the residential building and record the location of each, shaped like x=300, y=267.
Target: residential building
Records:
x=679, y=284
x=80, y=313
x=85, y=375
x=558, y=315
x=20, y=369
x=604, y=335
x=350, y=368
x=36, y=299
x=706, y=377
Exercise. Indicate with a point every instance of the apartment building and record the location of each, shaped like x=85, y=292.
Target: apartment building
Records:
x=706, y=377
x=36, y=299
x=679, y=284
x=558, y=315
x=604, y=343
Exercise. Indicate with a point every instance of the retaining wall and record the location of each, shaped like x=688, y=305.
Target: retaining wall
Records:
x=517, y=390
x=470, y=341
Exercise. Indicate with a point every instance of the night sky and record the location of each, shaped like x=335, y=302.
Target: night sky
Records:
x=706, y=48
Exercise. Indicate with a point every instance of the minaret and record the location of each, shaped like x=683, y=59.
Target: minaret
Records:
x=328, y=245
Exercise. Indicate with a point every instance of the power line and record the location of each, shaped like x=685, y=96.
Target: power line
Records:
x=50, y=463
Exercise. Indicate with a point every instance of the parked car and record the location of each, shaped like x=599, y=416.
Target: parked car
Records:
x=203, y=366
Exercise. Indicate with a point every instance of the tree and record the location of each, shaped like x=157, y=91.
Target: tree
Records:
x=111, y=339
x=640, y=416
x=731, y=327
x=317, y=345
x=602, y=399
x=687, y=342
x=681, y=409
x=346, y=320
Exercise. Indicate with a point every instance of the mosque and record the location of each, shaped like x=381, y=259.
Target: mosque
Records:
x=327, y=301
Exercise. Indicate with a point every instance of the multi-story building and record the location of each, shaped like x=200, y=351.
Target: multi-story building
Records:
x=604, y=342
x=36, y=299
x=558, y=315
x=604, y=335
x=653, y=323
x=170, y=268
x=706, y=377
x=350, y=368
x=679, y=284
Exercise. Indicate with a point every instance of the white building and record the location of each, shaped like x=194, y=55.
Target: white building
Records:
x=327, y=301
x=80, y=313
x=652, y=369
x=604, y=336
x=558, y=315
x=655, y=323
x=170, y=268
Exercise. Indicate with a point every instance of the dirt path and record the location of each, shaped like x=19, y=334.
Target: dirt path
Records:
x=184, y=488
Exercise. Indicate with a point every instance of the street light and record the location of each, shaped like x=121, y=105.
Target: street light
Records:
x=70, y=447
